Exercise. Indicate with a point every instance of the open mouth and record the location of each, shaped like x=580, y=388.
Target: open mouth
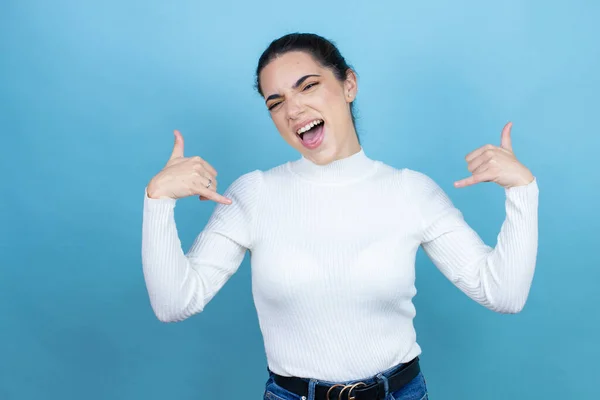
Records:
x=311, y=135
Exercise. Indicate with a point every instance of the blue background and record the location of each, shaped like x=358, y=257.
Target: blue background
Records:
x=90, y=93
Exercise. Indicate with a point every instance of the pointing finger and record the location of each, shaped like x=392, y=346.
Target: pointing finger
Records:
x=470, y=181
x=212, y=187
x=465, y=182
x=486, y=175
x=210, y=195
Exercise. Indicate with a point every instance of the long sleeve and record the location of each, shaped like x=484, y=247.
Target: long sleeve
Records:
x=498, y=278
x=179, y=284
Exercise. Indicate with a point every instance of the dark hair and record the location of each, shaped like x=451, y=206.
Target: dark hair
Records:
x=322, y=50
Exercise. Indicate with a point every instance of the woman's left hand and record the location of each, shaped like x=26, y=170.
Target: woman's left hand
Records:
x=491, y=163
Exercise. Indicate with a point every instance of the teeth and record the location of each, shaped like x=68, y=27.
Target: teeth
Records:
x=308, y=126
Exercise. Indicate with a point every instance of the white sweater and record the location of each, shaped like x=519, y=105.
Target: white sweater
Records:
x=333, y=260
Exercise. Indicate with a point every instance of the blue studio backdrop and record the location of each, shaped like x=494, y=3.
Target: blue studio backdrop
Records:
x=90, y=93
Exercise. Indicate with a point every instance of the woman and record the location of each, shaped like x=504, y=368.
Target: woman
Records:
x=333, y=238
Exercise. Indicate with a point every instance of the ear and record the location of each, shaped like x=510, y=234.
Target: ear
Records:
x=350, y=86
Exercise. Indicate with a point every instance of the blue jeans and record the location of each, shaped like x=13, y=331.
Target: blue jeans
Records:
x=414, y=390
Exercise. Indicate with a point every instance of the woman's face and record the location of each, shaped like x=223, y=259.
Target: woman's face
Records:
x=310, y=107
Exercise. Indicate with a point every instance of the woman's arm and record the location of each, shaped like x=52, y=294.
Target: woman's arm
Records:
x=180, y=285
x=498, y=278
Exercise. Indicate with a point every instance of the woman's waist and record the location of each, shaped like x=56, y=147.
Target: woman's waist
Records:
x=345, y=352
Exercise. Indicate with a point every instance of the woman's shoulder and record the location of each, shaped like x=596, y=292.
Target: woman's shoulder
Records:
x=419, y=186
x=250, y=178
x=246, y=187
x=254, y=180
x=406, y=175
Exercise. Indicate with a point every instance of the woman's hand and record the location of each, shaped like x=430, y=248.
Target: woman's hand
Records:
x=185, y=176
x=491, y=163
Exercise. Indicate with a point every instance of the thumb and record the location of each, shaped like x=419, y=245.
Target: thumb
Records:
x=178, y=146
x=506, y=142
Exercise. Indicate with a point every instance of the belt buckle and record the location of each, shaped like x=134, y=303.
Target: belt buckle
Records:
x=344, y=387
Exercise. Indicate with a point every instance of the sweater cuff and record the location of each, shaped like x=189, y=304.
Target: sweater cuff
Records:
x=153, y=204
x=523, y=192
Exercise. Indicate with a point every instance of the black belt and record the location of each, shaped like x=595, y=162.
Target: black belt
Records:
x=360, y=391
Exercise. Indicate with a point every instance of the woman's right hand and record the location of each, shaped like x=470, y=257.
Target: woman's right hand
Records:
x=185, y=176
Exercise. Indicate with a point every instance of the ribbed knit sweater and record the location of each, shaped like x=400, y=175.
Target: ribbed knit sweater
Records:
x=333, y=252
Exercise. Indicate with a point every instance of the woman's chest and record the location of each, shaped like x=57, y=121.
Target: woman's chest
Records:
x=362, y=244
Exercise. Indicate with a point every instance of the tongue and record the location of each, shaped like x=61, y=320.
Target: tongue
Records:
x=311, y=134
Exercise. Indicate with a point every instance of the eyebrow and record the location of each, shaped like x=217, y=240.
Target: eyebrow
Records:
x=298, y=83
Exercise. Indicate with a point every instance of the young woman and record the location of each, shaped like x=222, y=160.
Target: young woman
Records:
x=333, y=237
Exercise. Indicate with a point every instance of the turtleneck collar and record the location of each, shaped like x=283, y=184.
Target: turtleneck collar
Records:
x=352, y=168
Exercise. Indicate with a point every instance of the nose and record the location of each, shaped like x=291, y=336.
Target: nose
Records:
x=294, y=108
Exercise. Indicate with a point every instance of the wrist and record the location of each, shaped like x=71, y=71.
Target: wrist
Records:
x=527, y=179
x=524, y=181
